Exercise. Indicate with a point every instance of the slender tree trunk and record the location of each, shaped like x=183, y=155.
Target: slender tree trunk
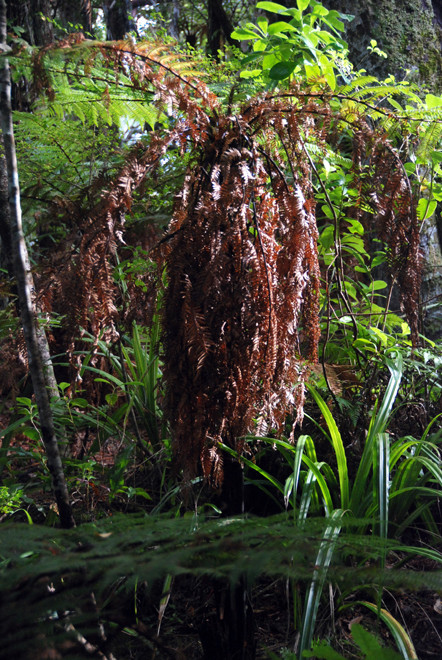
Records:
x=24, y=287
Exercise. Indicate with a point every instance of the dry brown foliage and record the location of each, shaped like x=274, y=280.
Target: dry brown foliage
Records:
x=241, y=306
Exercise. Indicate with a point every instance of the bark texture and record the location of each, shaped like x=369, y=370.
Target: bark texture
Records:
x=409, y=31
x=219, y=28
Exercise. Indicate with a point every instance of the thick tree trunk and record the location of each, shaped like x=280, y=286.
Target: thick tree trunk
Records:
x=76, y=15
x=117, y=14
x=30, y=15
x=219, y=26
x=24, y=287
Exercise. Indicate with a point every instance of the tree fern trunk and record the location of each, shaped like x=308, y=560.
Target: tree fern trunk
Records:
x=230, y=632
x=24, y=287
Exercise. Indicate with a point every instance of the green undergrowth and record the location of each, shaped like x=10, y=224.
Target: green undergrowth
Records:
x=58, y=570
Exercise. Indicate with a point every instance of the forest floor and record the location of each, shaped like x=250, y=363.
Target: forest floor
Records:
x=192, y=600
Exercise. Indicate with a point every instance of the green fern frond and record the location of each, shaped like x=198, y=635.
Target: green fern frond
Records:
x=358, y=84
x=430, y=140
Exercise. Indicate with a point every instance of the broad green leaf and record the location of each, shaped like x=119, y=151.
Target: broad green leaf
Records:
x=31, y=433
x=365, y=345
x=330, y=77
x=380, y=335
x=377, y=285
x=410, y=168
x=253, y=73
x=263, y=24
x=302, y=4
x=325, y=37
x=425, y=208
x=259, y=46
x=433, y=101
x=24, y=401
x=272, y=7
x=312, y=71
x=268, y=61
x=350, y=289
x=281, y=26
x=378, y=259
x=334, y=22
x=282, y=70
x=436, y=156
x=243, y=35
x=79, y=403
x=355, y=227
x=320, y=10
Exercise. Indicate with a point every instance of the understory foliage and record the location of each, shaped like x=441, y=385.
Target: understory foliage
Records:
x=89, y=591
x=241, y=305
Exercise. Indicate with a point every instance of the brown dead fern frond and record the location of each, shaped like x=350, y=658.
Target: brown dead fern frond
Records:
x=243, y=254
x=241, y=306
x=385, y=188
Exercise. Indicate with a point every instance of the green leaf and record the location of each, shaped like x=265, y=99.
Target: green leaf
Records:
x=425, y=208
x=370, y=646
x=323, y=651
x=243, y=35
x=433, y=101
x=380, y=335
x=335, y=22
x=312, y=71
x=263, y=24
x=355, y=227
x=337, y=444
x=259, y=46
x=320, y=10
x=282, y=70
x=403, y=641
x=330, y=77
x=377, y=285
x=436, y=157
x=322, y=564
x=272, y=7
x=31, y=433
x=79, y=403
x=24, y=401
x=281, y=26
x=253, y=73
x=365, y=345
x=302, y=4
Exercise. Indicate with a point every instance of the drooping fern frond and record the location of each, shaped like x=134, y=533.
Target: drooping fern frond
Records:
x=241, y=309
x=243, y=253
x=385, y=185
x=92, y=82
